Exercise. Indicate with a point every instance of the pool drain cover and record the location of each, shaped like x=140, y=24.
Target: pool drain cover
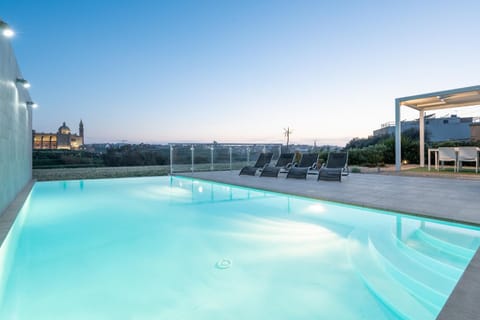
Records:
x=224, y=264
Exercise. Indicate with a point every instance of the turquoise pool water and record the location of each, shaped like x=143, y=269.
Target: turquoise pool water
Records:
x=177, y=248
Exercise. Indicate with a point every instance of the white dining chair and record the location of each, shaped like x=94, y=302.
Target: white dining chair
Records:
x=468, y=154
x=448, y=154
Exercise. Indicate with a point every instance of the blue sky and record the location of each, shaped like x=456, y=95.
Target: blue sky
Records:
x=238, y=71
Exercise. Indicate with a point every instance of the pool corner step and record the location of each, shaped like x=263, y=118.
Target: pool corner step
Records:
x=429, y=272
x=437, y=266
x=445, y=246
x=381, y=284
x=426, y=286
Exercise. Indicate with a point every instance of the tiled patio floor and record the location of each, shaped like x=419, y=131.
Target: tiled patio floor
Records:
x=448, y=199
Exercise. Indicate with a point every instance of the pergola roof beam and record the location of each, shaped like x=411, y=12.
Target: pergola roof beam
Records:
x=448, y=106
x=440, y=93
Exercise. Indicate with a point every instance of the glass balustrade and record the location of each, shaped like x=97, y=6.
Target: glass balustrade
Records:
x=217, y=157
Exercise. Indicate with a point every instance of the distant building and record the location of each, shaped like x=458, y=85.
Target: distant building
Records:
x=437, y=129
x=63, y=139
x=475, y=131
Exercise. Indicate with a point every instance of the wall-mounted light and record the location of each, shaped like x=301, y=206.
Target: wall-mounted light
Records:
x=23, y=82
x=6, y=30
x=32, y=104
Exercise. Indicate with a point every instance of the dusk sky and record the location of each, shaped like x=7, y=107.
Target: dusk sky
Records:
x=238, y=71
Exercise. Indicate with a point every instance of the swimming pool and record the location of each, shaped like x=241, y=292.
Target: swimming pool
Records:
x=179, y=248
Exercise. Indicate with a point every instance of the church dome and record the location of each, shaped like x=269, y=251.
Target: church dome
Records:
x=64, y=129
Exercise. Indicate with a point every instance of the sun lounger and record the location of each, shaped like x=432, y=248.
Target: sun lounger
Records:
x=284, y=162
x=307, y=162
x=335, y=167
x=263, y=160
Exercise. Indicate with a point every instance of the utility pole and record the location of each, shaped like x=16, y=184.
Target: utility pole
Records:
x=287, y=132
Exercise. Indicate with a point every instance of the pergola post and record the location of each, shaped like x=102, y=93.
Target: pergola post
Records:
x=398, y=137
x=421, y=134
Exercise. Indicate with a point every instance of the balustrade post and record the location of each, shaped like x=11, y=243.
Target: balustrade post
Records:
x=211, y=156
x=193, y=157
x=171, y=159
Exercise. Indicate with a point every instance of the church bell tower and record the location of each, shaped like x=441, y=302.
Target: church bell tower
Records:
x=80, y=131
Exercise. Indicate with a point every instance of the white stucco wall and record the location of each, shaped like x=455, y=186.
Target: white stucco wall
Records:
x=15, y=128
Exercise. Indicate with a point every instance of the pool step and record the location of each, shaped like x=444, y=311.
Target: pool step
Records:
x=445, y=246
x=432, y=289
x=445, y=269
x=440, y=276
x=465, y=240
x=439, y=250
x=381, y=284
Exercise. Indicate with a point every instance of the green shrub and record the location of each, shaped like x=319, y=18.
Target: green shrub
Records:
x=371, y=156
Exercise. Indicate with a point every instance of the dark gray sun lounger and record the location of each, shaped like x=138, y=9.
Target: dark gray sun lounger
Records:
x=284, y=162
x=300, y=171
x=336, y=166
x=263, y=160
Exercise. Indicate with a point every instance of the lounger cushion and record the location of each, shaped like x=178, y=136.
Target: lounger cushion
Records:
x=250, y=171
x=270, y=172
x=297, y=173
x=330, y=174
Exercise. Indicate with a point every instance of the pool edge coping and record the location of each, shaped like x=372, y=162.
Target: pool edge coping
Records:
x=10, y=213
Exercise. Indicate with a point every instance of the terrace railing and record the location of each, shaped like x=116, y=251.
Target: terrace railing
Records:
x=217, y=157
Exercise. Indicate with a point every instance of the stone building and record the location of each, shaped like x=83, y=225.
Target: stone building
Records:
x=62, y=139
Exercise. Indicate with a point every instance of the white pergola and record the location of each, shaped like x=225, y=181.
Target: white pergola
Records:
x=455, y=98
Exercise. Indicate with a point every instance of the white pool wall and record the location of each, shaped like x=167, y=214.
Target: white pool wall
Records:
x=15, y=127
